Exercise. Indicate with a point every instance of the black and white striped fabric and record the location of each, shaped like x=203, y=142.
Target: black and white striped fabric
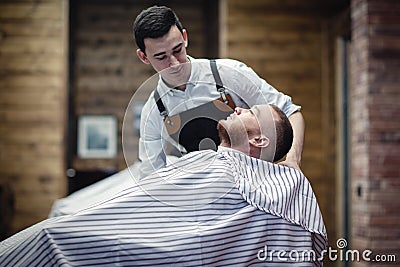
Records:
x=208, y=209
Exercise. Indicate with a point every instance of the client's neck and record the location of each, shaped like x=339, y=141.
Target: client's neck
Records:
x=242, y=148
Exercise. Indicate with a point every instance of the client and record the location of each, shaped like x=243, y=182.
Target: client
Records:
x=229, y=207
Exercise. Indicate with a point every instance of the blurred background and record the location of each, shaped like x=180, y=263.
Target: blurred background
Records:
x=68, y=70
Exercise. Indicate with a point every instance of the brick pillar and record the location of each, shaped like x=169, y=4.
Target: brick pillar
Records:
x=375, y=126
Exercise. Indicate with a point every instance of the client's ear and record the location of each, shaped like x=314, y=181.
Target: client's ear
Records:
x=259, y=141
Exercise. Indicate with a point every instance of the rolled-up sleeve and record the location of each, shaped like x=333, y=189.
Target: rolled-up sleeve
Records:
x=253, y=89
x=279, y=99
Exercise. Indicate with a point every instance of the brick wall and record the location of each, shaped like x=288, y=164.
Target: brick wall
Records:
x=375, y=108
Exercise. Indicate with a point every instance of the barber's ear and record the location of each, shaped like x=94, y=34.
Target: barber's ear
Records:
x=259, y=141
x=142, y=56
x=185, y=39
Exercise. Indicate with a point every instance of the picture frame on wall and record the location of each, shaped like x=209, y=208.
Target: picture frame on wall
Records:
x=97, y=136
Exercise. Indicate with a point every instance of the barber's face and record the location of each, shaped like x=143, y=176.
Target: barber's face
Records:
x=167, y=55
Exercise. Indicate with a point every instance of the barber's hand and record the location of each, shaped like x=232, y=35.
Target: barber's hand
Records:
x=290, y=163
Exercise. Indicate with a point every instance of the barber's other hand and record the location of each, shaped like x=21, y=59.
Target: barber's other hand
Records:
x=290, y=163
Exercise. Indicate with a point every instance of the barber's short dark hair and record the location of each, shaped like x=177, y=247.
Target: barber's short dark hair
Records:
x=154, y=22
x=284, y=134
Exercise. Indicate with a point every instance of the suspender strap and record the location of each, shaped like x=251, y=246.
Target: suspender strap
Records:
x=218, y=81
x=160, y=105
x=215, y=73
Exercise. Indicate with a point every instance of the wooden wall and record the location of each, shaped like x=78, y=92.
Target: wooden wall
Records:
x=291, y=46
x=33, y=64
x=289, y=43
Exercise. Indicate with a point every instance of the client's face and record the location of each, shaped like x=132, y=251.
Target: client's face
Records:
x=234, y=130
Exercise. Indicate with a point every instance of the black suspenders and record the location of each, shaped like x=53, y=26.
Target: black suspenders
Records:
x=196, y=128
x=218, y=82
x=160, y=105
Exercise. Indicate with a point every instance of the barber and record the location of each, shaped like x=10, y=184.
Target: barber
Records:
x=185, y=106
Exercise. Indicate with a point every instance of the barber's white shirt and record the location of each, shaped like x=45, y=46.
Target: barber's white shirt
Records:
x=242, y=83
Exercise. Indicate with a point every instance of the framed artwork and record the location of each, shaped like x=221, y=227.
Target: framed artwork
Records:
x=97, y=136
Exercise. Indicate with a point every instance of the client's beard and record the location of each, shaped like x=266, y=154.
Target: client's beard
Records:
x=223, y=134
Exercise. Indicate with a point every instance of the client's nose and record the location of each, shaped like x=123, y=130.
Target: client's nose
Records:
x=238, y=110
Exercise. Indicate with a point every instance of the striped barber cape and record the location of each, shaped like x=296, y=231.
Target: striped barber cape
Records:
x=207, y=209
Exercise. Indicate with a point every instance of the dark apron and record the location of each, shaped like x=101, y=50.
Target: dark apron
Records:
x=196, y=129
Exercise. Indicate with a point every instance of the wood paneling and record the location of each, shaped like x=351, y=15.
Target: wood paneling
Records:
x=33, y=60
x=288, y=44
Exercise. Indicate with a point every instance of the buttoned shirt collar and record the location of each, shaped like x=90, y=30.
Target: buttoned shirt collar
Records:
x=165, y=89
